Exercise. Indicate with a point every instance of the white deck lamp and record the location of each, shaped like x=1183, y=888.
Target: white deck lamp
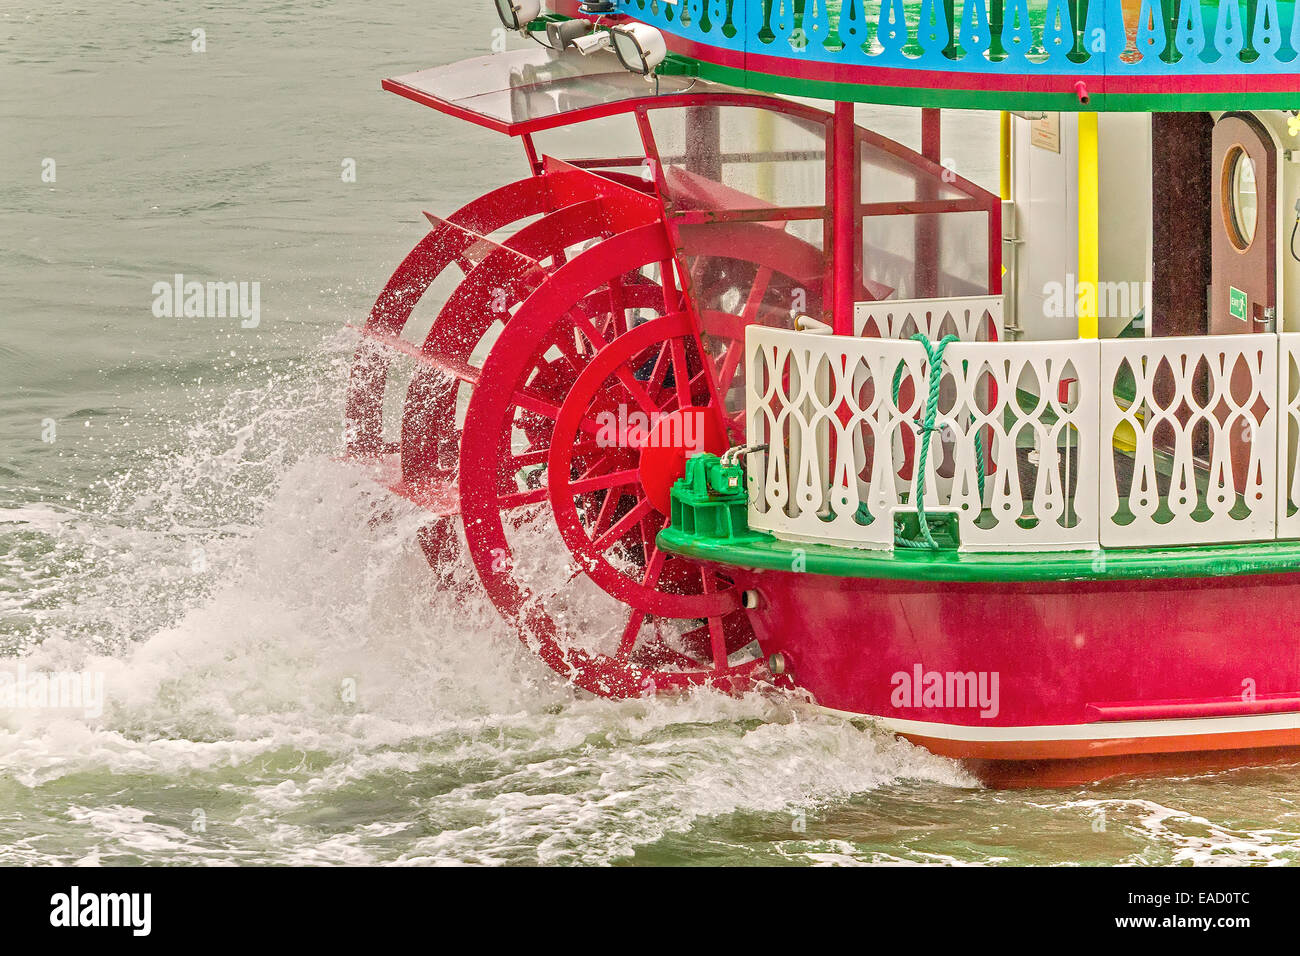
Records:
x=639, y=47
x=517, y=14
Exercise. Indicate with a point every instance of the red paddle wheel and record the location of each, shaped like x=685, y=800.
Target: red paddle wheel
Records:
x=514, y=422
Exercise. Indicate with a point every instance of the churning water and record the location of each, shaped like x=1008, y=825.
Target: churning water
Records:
x=282, y=678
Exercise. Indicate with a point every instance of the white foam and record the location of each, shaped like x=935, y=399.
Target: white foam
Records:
x=460, y=747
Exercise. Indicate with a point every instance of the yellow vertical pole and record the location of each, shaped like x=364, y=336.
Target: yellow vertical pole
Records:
x=1089, y=225
x=1004, y=161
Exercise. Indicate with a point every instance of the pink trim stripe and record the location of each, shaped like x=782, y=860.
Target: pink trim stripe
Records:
x=1181, y=709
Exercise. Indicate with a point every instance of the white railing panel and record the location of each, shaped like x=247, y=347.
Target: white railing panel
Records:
x=970, y=318
x=1288, y=432
x=1204, y=400
x=1131, y=442
x=822, y=406
x=1028, y=410
x=841, y=418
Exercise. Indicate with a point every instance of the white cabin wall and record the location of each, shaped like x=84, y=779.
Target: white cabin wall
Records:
x=1125, y=212
x=1044, y=189
x=1045, y=192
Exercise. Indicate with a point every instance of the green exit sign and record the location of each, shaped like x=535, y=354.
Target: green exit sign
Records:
x=1236, y=303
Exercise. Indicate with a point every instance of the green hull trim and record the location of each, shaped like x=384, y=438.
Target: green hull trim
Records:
x=760, y=551
x=1065, y=102
x=896, y=95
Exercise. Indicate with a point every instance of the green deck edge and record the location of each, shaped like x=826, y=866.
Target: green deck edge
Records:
x=761, y=551
x=1065, y=101
x=896, y=95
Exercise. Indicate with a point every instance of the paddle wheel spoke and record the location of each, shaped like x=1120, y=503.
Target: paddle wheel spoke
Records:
x=651, y=525
x=631, y=631
x=532, y=402
x=622, y=526
x=625, y=375
x=522, y=499
x=681, y=373
x=617, y=308
x=717, y=639
x=684, y=396
x=537, y=456
x=654, y=567
x=605, y=515
x=568, y=348
x=539, y=406
x=617, y=479
x=757, y=293
x=730, y=363
x=659, y=373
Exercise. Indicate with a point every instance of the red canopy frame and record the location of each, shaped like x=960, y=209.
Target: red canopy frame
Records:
x=525, y=92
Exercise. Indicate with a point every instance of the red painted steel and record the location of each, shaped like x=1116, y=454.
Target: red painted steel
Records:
x=844, y=202
x=1163, y=649
x=1057, y=646
x=927, y=227
x=667, y=348
x=433, y=255
x=675, y=437
x=549, y=301
x=932, y=135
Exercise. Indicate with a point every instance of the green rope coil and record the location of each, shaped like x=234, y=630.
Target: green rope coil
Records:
x=927, y=427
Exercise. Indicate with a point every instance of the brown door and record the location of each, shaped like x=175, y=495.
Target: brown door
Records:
x=1243, y=212
x=1243, y=293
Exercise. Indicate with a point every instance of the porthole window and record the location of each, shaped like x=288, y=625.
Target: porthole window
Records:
x=1241, y=199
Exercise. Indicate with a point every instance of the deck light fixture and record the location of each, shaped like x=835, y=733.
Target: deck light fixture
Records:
x=590, y=43
x=561, y=34
x=639, y=47
x=517, y=14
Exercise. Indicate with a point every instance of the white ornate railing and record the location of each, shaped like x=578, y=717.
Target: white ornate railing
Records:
x=821, y=405
x=1288, y=445
x=1080, y=444
x=971, y=319
x=1193, y=457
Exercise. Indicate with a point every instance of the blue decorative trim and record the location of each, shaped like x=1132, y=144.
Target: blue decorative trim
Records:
x=997, y=37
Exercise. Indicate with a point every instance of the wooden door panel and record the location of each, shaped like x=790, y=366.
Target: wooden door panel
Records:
x=1244, y=226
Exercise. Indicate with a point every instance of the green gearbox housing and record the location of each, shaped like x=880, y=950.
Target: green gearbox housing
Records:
x=709, y=500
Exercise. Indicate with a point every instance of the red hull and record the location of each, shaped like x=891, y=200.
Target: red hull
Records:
x=1051, y=682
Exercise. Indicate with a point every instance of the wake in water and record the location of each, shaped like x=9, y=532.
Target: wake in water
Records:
x=285, y=681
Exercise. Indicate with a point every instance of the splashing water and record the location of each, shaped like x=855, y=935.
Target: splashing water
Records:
x=284, y=680
x=309, y=693
x=304, y=692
